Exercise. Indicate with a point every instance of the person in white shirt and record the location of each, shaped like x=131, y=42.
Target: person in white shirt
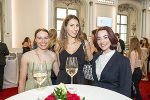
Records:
x=111, y=70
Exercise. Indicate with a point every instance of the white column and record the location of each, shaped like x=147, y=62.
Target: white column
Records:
x=140, y=21
x=91, y=20
x=7, y=18
x=144, y=18
x=50, y=14
x=144, y=23
x=148, y=20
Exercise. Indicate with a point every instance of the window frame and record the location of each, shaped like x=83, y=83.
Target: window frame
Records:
x=62, y=18
x=123, y=24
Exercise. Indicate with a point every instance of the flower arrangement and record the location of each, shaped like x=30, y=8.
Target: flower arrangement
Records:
x=62, y=93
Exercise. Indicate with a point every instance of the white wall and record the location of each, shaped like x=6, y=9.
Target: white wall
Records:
x=27, y=16
x=105, y=11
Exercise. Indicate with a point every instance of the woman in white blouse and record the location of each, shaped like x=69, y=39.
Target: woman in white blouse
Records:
x=135, y=55
x=111, y=70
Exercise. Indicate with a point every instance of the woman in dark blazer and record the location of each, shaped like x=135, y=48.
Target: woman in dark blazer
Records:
x=111, y=70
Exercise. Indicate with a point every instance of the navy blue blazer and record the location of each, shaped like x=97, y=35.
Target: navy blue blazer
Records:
x=116, y=75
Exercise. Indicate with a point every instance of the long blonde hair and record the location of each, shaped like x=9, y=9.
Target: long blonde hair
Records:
x=53, y=36
x=135, y=46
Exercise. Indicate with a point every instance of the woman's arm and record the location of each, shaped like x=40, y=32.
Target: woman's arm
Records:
x=125, y=77
x=55, y=64
x=88, y=49
x=57, y=48
x=23, y=73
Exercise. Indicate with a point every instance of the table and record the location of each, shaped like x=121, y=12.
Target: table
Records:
x=87, y=91
x=11, y=73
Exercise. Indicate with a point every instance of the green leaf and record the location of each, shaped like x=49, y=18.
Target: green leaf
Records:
x=83, y=98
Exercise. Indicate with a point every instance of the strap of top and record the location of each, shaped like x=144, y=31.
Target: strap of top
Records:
x=38, y=55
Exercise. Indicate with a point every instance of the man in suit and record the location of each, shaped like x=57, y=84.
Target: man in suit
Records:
x=121, y=43
x=3, y=52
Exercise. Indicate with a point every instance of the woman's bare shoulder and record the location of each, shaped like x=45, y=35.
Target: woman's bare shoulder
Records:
x=29, y=54
x=52, y=54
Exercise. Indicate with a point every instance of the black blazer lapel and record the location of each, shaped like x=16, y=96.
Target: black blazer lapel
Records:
x=109, y=64
x=94, y=66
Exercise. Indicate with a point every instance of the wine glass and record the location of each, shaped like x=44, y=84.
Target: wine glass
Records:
x=40, y=75
x=71, y=67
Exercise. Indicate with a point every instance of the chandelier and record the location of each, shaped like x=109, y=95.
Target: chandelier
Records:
x=70, y=2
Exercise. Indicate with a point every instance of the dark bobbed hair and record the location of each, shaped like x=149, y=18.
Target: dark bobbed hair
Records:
x=111, y=37
x=25, y=40
x=41, y=29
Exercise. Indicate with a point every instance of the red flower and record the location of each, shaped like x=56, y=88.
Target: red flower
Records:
x=72, y=96
x=69, y=97
x=50, y=97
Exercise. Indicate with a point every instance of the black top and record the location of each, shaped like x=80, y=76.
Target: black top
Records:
x=26, y=49
x=63, y=76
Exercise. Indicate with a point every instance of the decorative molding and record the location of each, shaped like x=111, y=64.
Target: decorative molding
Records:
x=70, y=2
x=125, y=7
x=107, y=2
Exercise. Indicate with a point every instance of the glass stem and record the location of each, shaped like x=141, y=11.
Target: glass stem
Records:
x=39, y=86
x=71, y=80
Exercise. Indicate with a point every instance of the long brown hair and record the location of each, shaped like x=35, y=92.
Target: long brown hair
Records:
x=63, y=32
x=135, y=46
x=146, y=44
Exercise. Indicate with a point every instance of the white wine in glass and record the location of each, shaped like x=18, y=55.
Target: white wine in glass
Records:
x=71, y=67
x=40, y=77
x=39, y=73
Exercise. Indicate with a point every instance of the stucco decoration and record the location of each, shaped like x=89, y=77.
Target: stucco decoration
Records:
x=125, y=7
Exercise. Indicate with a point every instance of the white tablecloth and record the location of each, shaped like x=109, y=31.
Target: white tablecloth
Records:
x=11, y=73
x=89, y=92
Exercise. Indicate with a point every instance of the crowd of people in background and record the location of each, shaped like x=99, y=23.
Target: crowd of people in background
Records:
x=111, y=68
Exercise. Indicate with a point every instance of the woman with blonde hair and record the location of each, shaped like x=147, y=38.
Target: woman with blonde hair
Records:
x=53, y=37
x=135, y=55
